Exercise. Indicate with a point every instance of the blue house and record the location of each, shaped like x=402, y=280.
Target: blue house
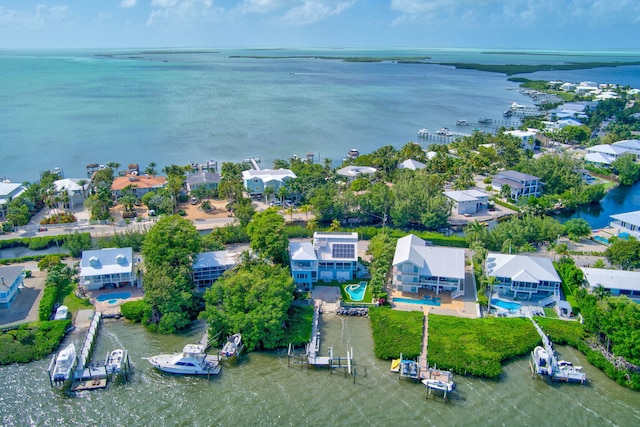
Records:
x=11, y=280
x=331, y=256
x=256, y=180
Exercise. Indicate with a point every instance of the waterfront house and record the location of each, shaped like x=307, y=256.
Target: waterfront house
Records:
x=520, y=184
x=627, y=224
x=610, y=150
x=11, y=280
x=524, y=277
x=209, y=266
x=76, y=192
x=256, y=180
x=210, y=180
x=352, y=172
x=418, y=265
x=468, y=201
x=616, y=282
x=110, y=267
x=331, y=256
x=141, y=184
x=8, y=192
x=411, y=165
x=527, y=138
x=631, y=145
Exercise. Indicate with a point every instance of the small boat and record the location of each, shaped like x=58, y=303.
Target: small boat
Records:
x=233, y=346
x=565, y=371
x=395, y=365
x=65, y=361
x=462, y=123
x=541, y=361
x=114, y=361
x=424, y=132
x=192, y=361
x=439, y=385
x=485, y=120
x=443, y=131
x=508, y=113
x=353, y=153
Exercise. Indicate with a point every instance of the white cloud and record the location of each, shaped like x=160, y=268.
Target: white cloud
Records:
x=311, y=11
x=128, y=3
x=264, y=6
x=42, y=15
x=169, y=12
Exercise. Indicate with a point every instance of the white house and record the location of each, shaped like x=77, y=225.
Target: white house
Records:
x=523, y=276
x=256, y=180
x=209, y=266
x=613, y=151
x=107, y=267
x=332, y=256
x=417, y=265
x=411, y=165
x=9, y=191
x=631, y=145
x=617, y=282
x=11, y=280
x=206, y=179
x=76, y=192
x=627, y=224
x=468, y=201
x=352, y=172
x=520, y=184
x=527, y=138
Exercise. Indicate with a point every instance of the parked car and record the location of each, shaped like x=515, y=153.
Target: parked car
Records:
x=275, y=203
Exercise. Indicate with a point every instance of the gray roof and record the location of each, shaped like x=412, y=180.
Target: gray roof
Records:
x=204, y=177
x=106, y=261
x=302, y=251
x=432, y=261
x=628, y=217
x=353, y=171
x=214, y=259
x=518, y=176
x=412, y=165
x=612, y=279
x=267, y=175
x=9, y=275
x=521, y=268
x=465, y=195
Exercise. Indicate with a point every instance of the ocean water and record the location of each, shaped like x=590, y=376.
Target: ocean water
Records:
x=69, y=108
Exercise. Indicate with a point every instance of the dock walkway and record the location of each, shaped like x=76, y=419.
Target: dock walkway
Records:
x=422, y=360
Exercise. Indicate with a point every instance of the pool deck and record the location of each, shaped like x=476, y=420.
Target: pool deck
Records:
x=105, y=307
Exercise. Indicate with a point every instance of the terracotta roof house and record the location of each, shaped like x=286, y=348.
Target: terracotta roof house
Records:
x=142, y=184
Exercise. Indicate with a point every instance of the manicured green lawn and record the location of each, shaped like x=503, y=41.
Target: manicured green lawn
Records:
x=299, y=325
x=69, y=298
x=368, y=294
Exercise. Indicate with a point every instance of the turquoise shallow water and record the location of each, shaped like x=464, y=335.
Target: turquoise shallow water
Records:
x=69, y=108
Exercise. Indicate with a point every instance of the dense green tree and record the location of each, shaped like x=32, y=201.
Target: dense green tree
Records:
x=253, y=301
x=419, y=201
x=627, y=169
x=576, y=228
x=172, y=241
x=624, y=253
x=77, y=242
x=267, y=236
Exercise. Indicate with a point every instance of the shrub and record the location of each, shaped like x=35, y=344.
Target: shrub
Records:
x=136, y=311
x=396, y=332
x=32, y=341
x=48, y=300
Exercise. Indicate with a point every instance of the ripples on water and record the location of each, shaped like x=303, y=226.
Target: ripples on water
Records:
x=262, y=390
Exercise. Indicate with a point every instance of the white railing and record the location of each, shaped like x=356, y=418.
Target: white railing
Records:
x=548, y=300
x=456, y=294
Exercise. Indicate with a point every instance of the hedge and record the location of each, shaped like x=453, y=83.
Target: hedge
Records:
x=32, y=341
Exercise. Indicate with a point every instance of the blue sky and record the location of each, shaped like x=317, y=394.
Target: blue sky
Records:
x=543, y=24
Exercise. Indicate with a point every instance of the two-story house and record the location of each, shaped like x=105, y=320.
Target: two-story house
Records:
x=209, y=266
x=417, y=265
x=140, y=184
x=11, y=280
x=256, y=180
x=109, y=267
x=520, y=184
x=468, y=201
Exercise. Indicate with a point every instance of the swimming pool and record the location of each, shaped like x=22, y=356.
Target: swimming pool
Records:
x=356, y=292
x=113, y=298
x=507, y=305
x=428, y=301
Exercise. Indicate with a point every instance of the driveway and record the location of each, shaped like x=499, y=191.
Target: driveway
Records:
x=25, y=307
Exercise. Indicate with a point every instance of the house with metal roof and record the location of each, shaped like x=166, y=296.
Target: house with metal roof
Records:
x=11, y=280
x=627, y=224
x=468, y=201
x=109, y=267
x=75, y=188
x=351, y=172
x=256, y=180
x=520, y=184
x=418, y=265
x=205, y=178
x=616, y=282
x=412, y=165
x=331, y=256
x=523, y=276
x=527, y=138
x=209, y=266
x=8, y=192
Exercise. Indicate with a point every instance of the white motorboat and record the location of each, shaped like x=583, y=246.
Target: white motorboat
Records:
x=65, y=362
x=114, y=361
x=568, y=372
x=485, y=121
x=462, y=122
x=439, y=385
x=353, y=153
x=541, y=361
x=443, y=131
x=424, y=132
x=233, y=346
x=192, y=361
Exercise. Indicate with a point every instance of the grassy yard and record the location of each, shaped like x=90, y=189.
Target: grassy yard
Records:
x=368, y=294
x=478, y=346
x=299, y=325
x=69, y=298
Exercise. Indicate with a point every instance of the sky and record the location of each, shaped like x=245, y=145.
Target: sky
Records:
x=534, y=24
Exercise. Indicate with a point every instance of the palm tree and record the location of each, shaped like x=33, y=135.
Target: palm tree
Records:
x=290, y=211
x=151, y=169
x=335, y=225
x=267, y=193
x=305, y=209
x=282, y=193
x=114, y=166
x=312, y=225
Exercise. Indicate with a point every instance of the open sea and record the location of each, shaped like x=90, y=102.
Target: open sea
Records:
x=69, y=108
